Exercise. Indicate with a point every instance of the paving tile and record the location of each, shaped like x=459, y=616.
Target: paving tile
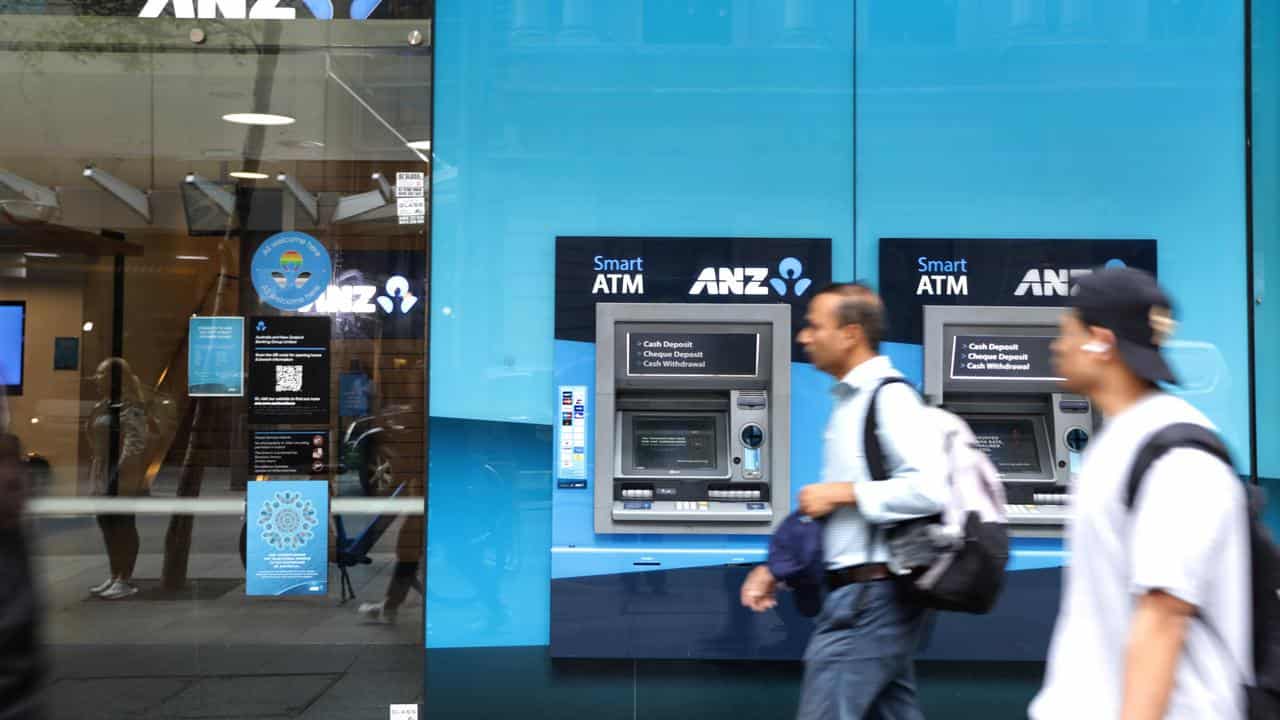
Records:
x=241, y=697
x=108, y=699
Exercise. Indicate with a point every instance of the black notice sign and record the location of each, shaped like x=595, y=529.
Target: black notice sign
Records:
x=302, y=452
x=289, y=370
x=1001, y=357
x=719, y=354
x=593, y=270
x=1031, y=272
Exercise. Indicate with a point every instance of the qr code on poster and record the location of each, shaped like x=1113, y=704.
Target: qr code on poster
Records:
x=288, y=378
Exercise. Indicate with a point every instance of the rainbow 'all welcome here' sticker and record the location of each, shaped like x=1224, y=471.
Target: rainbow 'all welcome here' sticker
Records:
x=291, y=270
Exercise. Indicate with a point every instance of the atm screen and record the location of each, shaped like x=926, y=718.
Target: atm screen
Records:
x=674, y=443
x=1011, y=443
x=998, y=358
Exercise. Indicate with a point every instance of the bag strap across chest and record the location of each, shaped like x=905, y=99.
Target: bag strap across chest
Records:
x=877, y=466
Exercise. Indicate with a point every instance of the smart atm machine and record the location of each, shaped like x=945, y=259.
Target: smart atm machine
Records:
x=993, y=367
x=693, y=403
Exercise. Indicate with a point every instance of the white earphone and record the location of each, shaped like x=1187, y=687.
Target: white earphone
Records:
x=1095, y=347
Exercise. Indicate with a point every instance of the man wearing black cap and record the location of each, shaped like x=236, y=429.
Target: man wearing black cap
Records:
x=1154, y=621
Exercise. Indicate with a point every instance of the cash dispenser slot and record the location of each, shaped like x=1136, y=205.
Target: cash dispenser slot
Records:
x=656, y=402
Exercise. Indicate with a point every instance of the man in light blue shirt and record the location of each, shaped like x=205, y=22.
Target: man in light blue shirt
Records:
x=859, y=660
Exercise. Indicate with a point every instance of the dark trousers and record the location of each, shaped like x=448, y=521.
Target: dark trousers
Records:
x=859, y=661
x=23, y=665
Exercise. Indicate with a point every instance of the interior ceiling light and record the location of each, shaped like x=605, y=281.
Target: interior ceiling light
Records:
x=214, y=192
x=305, y=198
x=419, y=145
x=137, y=200
x=371, y=205
x=247, y=175
x=38, y=204
x=193, y=257
x=42, y=255
x=258, y=119
x=302, y=144
x=388, y=192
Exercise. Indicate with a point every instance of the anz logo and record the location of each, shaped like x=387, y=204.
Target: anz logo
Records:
x=752, y=280
x=1054, y=282
x=252, y=9
x=365, y=300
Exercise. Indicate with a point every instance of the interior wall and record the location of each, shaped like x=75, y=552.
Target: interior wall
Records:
x=54, y=302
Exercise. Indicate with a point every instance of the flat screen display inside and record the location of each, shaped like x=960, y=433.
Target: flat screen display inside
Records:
x=1011, y=443
x=13, y=319
x=678, y=443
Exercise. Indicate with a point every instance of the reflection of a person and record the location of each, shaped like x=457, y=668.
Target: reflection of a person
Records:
x=22, y=662
x=404, y=575
x=480, y=551
x=124, y=478
x=1016, y=452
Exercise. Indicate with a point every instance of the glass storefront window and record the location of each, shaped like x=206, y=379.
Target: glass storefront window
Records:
x=149, y=171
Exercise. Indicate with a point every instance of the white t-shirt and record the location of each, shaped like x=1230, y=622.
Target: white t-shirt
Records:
x=1188, y=536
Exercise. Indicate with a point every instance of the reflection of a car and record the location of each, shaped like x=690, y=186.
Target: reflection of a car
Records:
x=366, y=461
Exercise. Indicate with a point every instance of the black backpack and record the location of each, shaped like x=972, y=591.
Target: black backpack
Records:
x=1263, y=697
x=956, y=560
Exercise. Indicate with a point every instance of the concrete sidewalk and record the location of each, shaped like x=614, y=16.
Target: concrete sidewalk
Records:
x=209, y=651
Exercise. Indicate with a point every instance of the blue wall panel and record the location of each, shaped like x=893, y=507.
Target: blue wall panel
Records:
x=1064, y=118
x=1266, y=226
x=596, y=117
x=1077, y=118
x=703, y=118
x=1266, y=242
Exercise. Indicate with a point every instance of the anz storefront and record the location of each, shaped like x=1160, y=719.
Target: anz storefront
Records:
x=386, y=357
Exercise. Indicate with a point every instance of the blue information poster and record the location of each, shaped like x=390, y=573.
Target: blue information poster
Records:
x=287, y=541
x=572, y=431
x=215, y=357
